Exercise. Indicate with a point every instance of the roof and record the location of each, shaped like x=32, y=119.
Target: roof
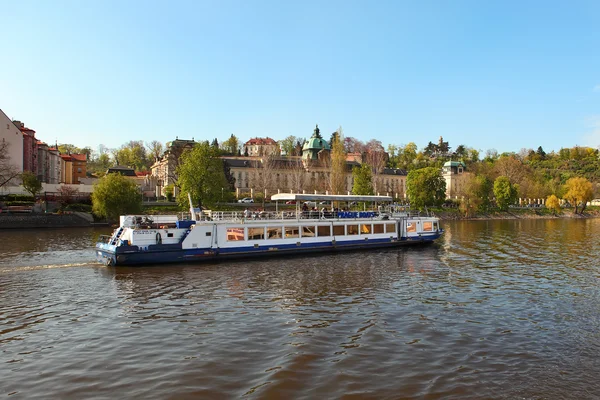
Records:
x=79, y=157
x=121, y=169
x=261, y=141
x=454, y=164
x=328, y=197
x=316, y=143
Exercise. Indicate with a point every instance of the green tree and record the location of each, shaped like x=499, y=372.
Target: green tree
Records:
x=116, y=195
x=505, y=192
x=476, y=195
x=363, y=180
x=168, y=191
x=578, y=192
x=231, y=145
x=201, y=174
x=553, y=204
x=31, y=183
x=288, y=145
x=425, y=187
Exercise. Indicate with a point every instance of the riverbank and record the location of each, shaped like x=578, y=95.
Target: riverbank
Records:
x=453, y=215
x=45, y=221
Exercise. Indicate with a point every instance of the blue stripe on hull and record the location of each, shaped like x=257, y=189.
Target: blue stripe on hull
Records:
x=158, y=256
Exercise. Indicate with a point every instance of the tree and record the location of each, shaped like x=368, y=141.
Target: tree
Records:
x=363, y=180
x=66, y=195
x=133, y=154
x=8, y=171
x=553, y=204
x=156, y=150
x=505, y=192
x=201, y=174
x=376, y=158
x=337, y=177
x=116, y=195
x=425, y=187
x=231, y=145
x=287, y=145
x=578, y=192
x=31, y=183
x=476, y=194
x=264, y=174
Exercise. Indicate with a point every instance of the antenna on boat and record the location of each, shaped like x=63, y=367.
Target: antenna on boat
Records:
x=192, y=207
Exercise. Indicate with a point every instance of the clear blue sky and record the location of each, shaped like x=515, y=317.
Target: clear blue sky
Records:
x=505, y=75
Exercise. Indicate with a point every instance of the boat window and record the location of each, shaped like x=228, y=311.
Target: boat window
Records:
x=324, y=230
x=428, y=226
x=292, y=232
x=365, y=228
x=309, y=231
x=235, y=234
x=377, y=228
x=338, y=230
x=390, y=228
x=256, y=233
x=273, y=233
x=352, y=229
x=435, y=226
x=411, y=227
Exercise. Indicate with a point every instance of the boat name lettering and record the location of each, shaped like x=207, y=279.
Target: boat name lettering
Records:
x=356, y=214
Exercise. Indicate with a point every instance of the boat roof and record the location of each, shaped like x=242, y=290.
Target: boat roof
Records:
x=328, y=197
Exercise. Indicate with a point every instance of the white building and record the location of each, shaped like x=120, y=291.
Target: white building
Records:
x=12, y=136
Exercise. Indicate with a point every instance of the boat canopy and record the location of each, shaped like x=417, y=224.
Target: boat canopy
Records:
x=329, y=197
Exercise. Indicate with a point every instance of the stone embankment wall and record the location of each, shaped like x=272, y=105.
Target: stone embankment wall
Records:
x=20, y=221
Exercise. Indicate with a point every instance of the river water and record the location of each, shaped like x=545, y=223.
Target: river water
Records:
x=496, y=309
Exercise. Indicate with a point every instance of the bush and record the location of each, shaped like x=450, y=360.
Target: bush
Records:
x=79, y=207
x=18, y=203
x=17, y=197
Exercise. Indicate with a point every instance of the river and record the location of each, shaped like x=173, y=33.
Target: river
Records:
x=496, y=309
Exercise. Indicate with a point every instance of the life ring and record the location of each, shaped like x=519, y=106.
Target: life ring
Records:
x=158, y=238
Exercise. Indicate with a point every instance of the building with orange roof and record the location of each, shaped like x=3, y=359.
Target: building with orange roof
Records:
x=73, y=168
x=258, y=147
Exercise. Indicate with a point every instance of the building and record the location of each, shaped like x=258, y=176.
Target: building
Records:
x=29, y=148
x=456, y=177
x=164, y=170
x=73, y=168
x=54, y=165
x=258, y=147
x=316, y=149
x=11, y=140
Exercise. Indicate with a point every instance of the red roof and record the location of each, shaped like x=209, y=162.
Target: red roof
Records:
x=79, y=157
x=261, y=141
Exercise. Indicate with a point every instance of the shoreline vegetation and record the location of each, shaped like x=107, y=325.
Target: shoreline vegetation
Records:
x=457, y=215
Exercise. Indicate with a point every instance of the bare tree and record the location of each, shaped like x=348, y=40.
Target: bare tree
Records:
x=296, y=174
x=263, y=174
x=156, y=149
x=337, y=176
x=8, y=171
x=376, y=158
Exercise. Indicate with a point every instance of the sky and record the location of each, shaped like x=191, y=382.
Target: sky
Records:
x=501, y=75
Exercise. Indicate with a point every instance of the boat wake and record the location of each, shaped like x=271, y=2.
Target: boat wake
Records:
x=48, y=266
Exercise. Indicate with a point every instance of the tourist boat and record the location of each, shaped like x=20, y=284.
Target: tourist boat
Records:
x=213, y=235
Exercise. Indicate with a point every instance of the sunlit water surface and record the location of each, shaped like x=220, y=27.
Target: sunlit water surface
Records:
x=498, y=309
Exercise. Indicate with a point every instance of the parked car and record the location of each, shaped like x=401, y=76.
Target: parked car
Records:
x=246, y=200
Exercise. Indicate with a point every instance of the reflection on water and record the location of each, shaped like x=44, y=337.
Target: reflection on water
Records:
x=496, y=309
